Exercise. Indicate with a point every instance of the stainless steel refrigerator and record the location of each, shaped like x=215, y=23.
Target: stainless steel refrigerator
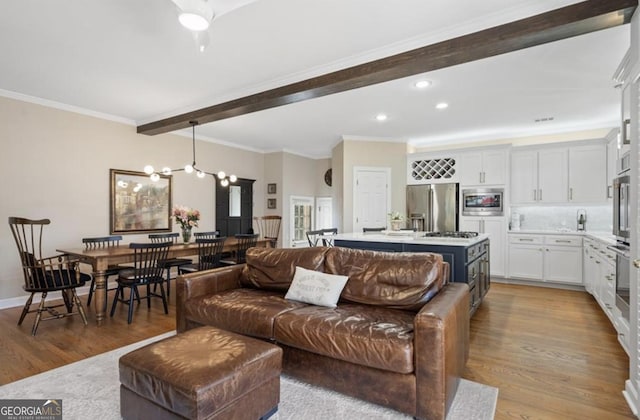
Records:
x=433, y=207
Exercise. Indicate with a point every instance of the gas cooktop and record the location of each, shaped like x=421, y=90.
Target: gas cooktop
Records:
x=465, y=235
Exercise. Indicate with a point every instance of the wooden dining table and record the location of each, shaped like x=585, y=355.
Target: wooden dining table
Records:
x=100, y=259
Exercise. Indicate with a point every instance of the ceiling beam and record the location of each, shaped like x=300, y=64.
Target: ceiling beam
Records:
x=555, y=25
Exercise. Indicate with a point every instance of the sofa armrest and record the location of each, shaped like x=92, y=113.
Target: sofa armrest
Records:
x=203, y=283
x=441, y=346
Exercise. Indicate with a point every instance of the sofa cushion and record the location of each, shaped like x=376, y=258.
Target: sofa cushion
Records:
x=402, y=280
x=274, y=268
x=371, y=336
x=243, y=311
x=316, y=288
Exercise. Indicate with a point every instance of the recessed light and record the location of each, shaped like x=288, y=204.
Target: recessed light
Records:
x=381, y=117
x=421, y=84
x=442, y=105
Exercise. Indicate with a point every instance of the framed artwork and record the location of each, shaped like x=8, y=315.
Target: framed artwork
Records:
x=137, y=204
x=271, y=203
x=271, y=188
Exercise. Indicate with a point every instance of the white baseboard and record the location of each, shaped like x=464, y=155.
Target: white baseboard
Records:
x=19, y=301
x=631, y=395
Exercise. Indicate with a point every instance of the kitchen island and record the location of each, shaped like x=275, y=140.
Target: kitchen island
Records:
x=468, y=258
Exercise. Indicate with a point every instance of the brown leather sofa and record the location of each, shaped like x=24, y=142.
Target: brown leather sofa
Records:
x=399, y=336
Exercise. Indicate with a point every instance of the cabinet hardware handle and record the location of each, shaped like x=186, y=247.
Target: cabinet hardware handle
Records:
x=525, y=239
x=547, y=249
x=607, y=305
x=597, y=262
x=609, y=191
x=570, y=193
x=480, y=173
x=562, y=241
x=534, y=196
x=621, y=335
x=540, y=194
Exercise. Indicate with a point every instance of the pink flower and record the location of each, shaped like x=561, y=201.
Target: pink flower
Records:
x=186, y=217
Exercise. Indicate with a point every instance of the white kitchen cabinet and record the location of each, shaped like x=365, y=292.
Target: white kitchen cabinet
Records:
x=487, y=167
x=539, y=176
x=548, y=258
x=563, y=264
x=588, y=174
x=552, y=175
x=496, y=228
x=526, y=261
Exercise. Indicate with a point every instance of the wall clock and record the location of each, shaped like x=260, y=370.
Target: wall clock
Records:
x=327, y=177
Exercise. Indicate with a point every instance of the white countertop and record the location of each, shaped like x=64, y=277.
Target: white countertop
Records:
x=606, y=237
x=409, y=237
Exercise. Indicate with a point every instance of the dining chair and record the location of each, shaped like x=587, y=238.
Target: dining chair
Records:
x=207, y=235
x=373, y=229
x=321, y=237
x=244, y=242
x=102, y=242
x=46, y=274
x=209, y=255
x=168, y=264
x=146, y=271
x=269, y=228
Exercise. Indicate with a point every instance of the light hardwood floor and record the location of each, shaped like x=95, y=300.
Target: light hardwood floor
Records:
x=552, y=353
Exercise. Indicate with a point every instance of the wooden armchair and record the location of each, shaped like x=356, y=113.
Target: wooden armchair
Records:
x=46, y=274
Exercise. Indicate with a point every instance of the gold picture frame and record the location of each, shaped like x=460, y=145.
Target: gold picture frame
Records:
x=137, y=204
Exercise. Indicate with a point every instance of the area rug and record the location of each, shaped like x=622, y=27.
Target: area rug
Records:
x=89, y=389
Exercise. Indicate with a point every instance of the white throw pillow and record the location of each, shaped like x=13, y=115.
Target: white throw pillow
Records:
x=317, y=288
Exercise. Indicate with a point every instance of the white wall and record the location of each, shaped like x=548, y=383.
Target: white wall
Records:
x=55, y=164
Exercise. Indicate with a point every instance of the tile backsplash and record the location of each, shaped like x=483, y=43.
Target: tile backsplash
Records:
x=599, y=218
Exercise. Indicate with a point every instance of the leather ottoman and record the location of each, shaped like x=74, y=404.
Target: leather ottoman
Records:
x=204, y=373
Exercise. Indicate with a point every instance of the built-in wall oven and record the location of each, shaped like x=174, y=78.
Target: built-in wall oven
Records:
x=622, y=208
x=483, y=202
x=622, y=232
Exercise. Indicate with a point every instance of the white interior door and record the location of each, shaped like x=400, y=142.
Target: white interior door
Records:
x=324, y=212
x=301, y=217
x=371, y=197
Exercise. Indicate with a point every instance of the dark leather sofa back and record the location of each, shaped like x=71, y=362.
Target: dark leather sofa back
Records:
x=273, y=268
x=394, y=280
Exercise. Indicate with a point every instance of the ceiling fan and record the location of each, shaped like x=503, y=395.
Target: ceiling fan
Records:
x=196, y=15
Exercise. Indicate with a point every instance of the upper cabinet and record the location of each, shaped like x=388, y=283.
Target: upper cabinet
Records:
x=539, y=176
x=588, y=174
x=487, y=167
x=556, y=175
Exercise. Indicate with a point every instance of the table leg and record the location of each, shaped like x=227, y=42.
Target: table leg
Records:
x=100, y=296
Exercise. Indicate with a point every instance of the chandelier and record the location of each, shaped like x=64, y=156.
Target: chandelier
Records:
x=222, y=176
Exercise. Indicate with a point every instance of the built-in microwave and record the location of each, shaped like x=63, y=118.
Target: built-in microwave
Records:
x=483, y=202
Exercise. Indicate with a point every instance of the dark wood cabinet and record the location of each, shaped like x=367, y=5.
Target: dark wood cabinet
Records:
x=230, y=224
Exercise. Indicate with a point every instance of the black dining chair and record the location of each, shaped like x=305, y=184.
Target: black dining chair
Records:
x=373, y=229
x=102, y=242
x=59, y=273
x=146, y=271
x=207, y=235
x=209, y=255
x=321, y=237
x=168, y=264
x=244, y=242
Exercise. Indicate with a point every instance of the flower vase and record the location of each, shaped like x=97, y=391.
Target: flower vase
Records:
x=396, y=224
x=186, y=235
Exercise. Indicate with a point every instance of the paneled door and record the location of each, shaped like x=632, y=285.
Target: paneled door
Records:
x=371, y=197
